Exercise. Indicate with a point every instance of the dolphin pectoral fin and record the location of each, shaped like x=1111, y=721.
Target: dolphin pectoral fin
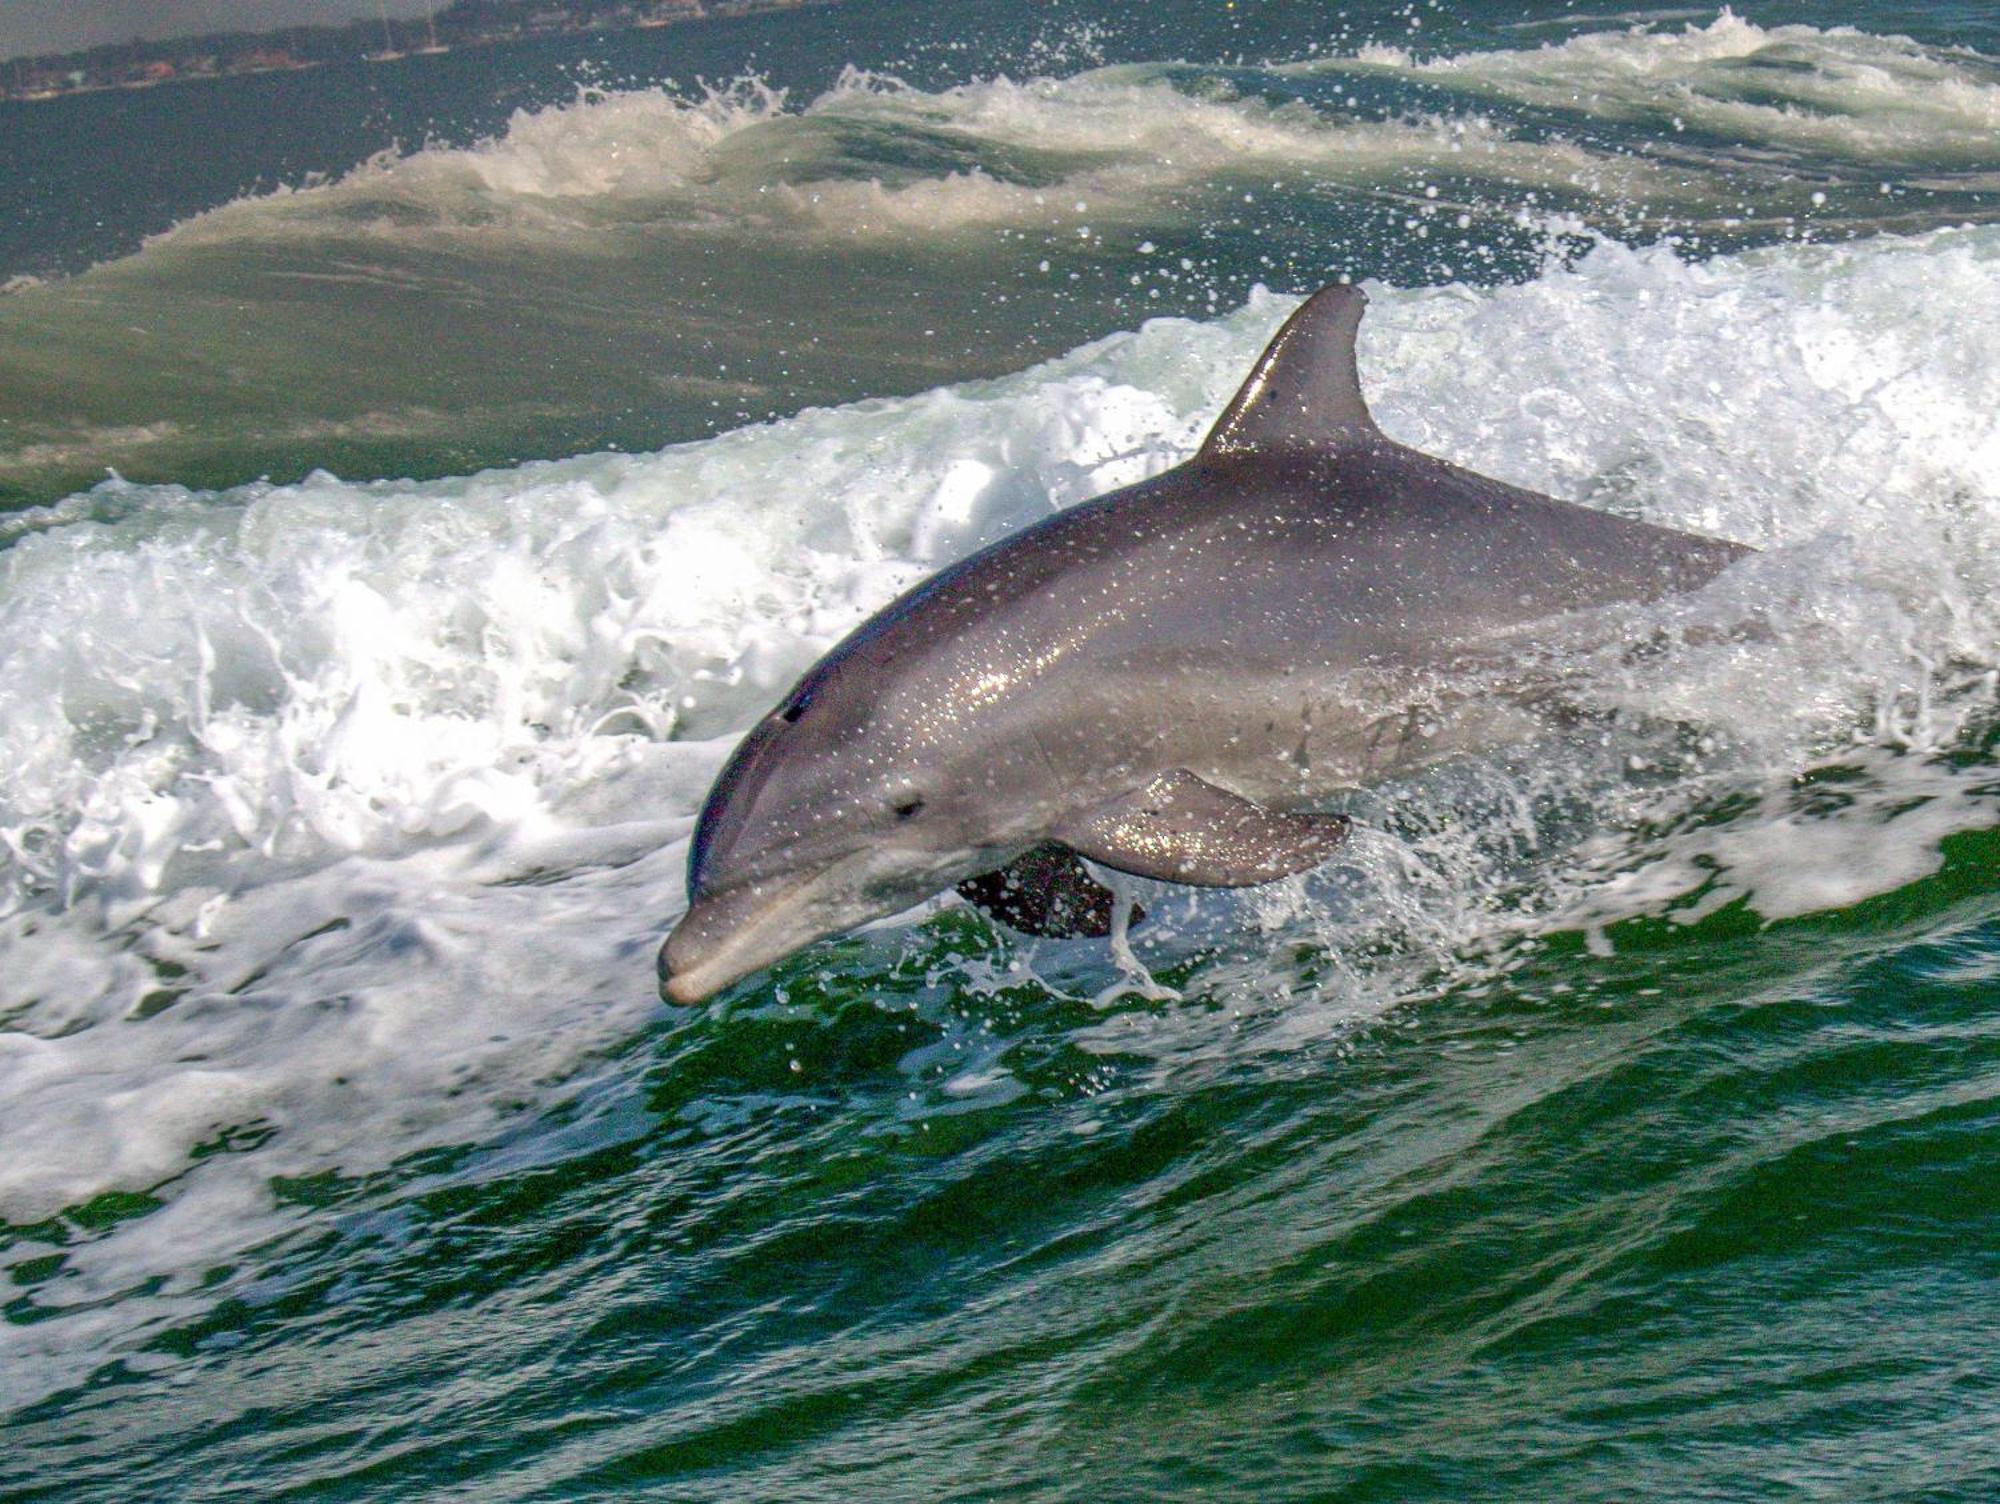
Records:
x=1181, y=829
x=1305, y=391
x=1047, y=891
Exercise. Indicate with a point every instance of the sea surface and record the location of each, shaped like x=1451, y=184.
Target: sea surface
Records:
x=415, y=476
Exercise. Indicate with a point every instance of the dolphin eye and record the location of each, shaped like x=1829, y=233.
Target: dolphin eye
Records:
x=907, y=808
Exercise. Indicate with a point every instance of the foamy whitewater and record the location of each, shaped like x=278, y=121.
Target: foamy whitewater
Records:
x=342, y=818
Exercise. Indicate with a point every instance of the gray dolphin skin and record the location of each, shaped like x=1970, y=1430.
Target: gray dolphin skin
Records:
x=1164, y=680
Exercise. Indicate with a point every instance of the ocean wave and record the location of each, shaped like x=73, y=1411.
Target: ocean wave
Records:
x=641, y=264
x=340, y=819
x=1848, y=95
x=875, y=158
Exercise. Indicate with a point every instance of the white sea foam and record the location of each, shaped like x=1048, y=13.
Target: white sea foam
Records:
x=341, y=820
x=872, y=158
x=1850, y=94
x=1109, y=146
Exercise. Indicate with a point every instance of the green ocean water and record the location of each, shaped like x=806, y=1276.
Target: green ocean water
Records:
x=1620, y=1119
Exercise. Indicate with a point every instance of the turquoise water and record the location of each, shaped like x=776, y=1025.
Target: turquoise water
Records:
x=1619, y=1118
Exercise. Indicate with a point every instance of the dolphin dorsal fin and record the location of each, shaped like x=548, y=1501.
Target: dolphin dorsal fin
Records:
x=1304, y=392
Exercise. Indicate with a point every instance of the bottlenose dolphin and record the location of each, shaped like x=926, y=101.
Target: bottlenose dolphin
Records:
x=1164, y=679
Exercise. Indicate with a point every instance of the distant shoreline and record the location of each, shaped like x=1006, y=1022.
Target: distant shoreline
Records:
x=463, y=25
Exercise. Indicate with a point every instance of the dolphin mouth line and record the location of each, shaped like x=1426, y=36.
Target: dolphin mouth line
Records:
x=688, y=986
x=726, y=935
x=717, y=941
x=731, y=933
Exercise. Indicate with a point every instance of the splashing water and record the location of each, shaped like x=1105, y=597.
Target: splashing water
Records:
x=1623, y=1096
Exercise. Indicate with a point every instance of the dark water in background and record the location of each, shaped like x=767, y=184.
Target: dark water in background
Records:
x=87, y=179
x=642, y=273
x=1620, y=1119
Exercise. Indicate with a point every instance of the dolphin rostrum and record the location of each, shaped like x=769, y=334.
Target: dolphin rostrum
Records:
x=1164, y=679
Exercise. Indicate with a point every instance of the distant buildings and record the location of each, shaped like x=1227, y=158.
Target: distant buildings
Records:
x=264, y=60
x=120, y=68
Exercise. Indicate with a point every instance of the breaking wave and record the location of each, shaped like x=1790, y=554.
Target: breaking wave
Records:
x=340, y=820
x=875, y=157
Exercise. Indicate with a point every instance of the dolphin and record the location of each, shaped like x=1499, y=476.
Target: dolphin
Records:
x=1165, y=680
